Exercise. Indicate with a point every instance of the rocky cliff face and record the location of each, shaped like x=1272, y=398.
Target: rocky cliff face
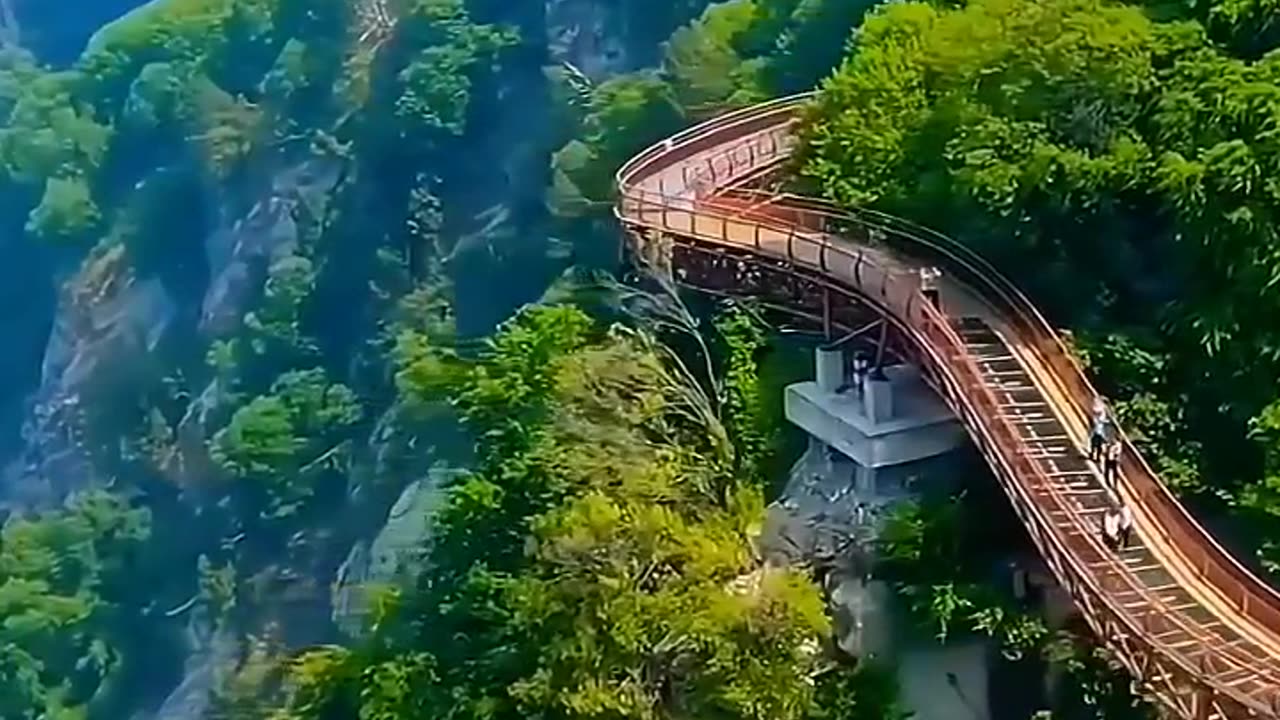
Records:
x=591, y=36
x=103, y=319
x=109, y=324
x=107, y=336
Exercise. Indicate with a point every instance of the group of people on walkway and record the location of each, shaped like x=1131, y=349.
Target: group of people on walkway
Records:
x=1105, y=449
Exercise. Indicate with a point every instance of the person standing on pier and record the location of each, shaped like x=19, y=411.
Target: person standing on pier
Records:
x=929, y=277
x=861, y=368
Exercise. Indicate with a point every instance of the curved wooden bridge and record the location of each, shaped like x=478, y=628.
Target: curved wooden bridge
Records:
x=1199, y=633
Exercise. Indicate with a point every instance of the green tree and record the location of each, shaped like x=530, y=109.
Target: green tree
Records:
x=868, y=691
x=811, y=41
x=66, y=211
x=435, y=85
x=755, y=435
x=584, y=569
x=282, y=442
x=50, y=133
x=259, y=440
x=624, y=115
x=160, y=97
x=63, y=576
x=703, y=57
x=275, y=335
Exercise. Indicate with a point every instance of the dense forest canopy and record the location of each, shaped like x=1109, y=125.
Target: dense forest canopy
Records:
x=308, y=259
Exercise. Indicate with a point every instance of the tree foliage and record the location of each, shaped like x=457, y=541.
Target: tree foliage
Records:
x=734, y=53
x=63, y=576
x=582, y=570
x=284, y=440
x=435, y=84
x=66, y=210
x=754, y=434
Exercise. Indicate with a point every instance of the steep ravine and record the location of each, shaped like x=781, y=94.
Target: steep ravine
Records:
x=100, y=346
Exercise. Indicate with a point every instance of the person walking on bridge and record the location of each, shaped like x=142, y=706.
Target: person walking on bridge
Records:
x=1125, y=527
x=1099, y=431
x=1111, y=528
x=1111, y=464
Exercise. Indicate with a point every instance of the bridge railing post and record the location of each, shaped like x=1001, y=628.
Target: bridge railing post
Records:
x=662, y=200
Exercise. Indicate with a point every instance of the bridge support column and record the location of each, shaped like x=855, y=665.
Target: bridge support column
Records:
x=870, y=448
x=829, y=369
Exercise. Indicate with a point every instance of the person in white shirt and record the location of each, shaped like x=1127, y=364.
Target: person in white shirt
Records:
x=861, y=368
x=1111, y=528
x=1125, y=526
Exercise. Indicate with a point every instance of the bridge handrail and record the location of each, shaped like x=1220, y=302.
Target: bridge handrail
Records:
x=1256, y=600
x=670, y=147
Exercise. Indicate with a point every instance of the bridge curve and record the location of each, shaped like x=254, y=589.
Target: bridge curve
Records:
x=1197, y=630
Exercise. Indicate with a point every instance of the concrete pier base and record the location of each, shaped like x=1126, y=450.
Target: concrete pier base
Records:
x=889, y=421
x=872, y=444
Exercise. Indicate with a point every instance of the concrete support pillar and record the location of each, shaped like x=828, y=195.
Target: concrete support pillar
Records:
x=816, y=447
x=879, y=434
x=864, y=481
x=821, y=454
x=878, y=400
x=829, y=369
